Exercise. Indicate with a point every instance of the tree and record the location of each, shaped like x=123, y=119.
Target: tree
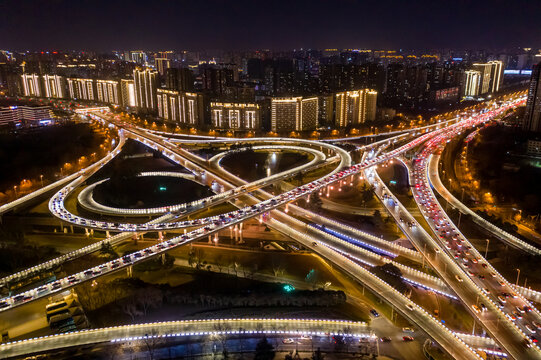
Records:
x=366, y=193
x=315, y=203
x=299, y=177
x=130, y=309
x=107, y=250
x=277, y=267
x=221, y=329
x=391, y=275
x=264, y=350
x=149, y=298
x=151, y=342
x=317, y=355
x=195, y=258
x=377, y=215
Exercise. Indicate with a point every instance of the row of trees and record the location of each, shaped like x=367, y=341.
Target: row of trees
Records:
x=298, y=298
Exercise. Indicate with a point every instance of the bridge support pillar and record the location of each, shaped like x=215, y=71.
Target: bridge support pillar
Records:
x=129, y=270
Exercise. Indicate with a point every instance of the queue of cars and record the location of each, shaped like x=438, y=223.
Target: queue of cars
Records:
x=459, y=248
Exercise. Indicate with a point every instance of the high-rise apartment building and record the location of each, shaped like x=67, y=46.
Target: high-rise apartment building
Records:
x=294, y=113
x=472, y=79
x=532, y=116
x=491, y=76
x=145, y=82
x=139, y=57
x=180, y=107
x=179, y=79
x=161, y=65
x=54, y=86
x=81, y=89
x=484, y=77
x=355, y=107
x=215, y=80
x=235, y=116
x=108, y=91
x=496, y=75
x=32, y=85
x=127, y=89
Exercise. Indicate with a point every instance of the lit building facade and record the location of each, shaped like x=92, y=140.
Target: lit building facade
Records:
x=145, y=83
x=54, y=86
x=108, y=91
x=81, y=89
x=294, y=114
x=355, y=107
x=472, y=79
x=496, y=75
x=491, y=76
x=180, y=107
x=161, y=65
x=31, y=85
x=127, y=89
x=484, y=77
x=235, y=116
x=16, y=115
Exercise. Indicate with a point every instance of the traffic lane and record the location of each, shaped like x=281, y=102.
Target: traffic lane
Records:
x=451, y=268
x=479, y=270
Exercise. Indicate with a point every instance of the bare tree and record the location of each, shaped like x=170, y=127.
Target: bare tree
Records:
x=221, y=328
x=347, y=336
x=218, y=262
x=151, y=342
x=130, y=309
x=277, y=268
x=149, y=298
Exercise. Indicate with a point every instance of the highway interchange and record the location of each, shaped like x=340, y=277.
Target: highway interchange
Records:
x=463, y=272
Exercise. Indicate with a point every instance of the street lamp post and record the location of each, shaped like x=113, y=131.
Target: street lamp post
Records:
x=486, y=249
x=41, y=179
x=518, y=274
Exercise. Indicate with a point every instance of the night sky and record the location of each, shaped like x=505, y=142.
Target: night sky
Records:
x=274, y=24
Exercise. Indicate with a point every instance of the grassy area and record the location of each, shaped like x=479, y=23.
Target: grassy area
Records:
x=147, y=192
x=253, y=165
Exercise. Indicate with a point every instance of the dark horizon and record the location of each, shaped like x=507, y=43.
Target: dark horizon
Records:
x=241, y=25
